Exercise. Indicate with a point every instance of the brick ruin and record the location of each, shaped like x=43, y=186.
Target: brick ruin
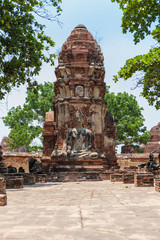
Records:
x=154, y=142
x=79, y=134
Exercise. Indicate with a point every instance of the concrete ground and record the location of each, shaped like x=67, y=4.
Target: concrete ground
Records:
x=81, y=211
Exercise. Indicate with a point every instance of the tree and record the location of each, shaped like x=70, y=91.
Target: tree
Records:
x=26, y=122
x=128, y=119
x=23, y=44
x=142, y=18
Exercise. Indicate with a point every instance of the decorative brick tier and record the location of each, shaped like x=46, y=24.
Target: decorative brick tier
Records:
x=128, y=178
x=143, y=180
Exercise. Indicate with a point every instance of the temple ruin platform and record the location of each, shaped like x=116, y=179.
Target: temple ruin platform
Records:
x=81, y=211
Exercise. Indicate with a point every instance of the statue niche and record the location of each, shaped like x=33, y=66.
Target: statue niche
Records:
x=79, y=139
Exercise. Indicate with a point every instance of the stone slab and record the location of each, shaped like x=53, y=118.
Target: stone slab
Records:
x=81, y=211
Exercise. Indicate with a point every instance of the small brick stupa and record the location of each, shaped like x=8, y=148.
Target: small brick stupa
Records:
x=79, y=136
x=154, y=142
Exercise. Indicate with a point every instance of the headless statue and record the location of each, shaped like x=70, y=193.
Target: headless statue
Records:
x=79, y=139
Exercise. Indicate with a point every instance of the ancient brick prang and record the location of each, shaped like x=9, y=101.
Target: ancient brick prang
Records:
x=79, y=121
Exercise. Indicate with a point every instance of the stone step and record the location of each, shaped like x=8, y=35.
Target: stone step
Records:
x=81, y=162
x=2, y=186
x=73, y=177
x=14, y=183
x=79, y=168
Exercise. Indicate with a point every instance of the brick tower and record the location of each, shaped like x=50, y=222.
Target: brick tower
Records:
x=79, y=135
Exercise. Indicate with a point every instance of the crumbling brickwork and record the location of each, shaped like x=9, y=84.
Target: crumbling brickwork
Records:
x=79, y=87
x=143, y=180
x=3, y=195
x=154, y=142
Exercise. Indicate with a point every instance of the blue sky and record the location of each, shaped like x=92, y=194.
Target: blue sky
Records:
x=103, y=19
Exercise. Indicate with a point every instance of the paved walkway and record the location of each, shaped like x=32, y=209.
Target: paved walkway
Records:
x=81, y=211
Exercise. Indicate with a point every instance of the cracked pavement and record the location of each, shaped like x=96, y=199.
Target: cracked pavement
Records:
x=81, y=211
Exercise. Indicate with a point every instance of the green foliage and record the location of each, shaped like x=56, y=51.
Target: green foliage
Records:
x=26, y=122
x=142, y=18
x=23, y=43
x=128, y=118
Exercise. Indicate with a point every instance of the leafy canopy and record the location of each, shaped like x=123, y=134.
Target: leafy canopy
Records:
x=23, y=43
x=142, y=18
x=128, y=118
x=26, y=122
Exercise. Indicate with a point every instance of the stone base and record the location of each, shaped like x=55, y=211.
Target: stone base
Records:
x=106, y=175
x=73, y=177
x=116, y=177
x=128, y=178
x=131, y=169
x=3, y=199
x=14, y=182
x=143, y=180
x=2, y=186
x=77, y=165
x=157, y=183
x=29, y=179
x=41, y=178
x=71, y=170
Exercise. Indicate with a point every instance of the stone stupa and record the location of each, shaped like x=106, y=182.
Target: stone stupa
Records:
x=79, y=136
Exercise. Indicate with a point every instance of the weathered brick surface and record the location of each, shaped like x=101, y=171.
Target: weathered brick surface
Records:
x=128, y=178
x=29, y=179
x=14, y=182
x=74, y=177
x=116, y=177
x=3, y=199
x=3, y=195
x=106, y=175
x=128, y=161
x=143, y=180
x=2, y=167
x=41, y=178
x=20, y=159
x=157, y=183
x=2, y=186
